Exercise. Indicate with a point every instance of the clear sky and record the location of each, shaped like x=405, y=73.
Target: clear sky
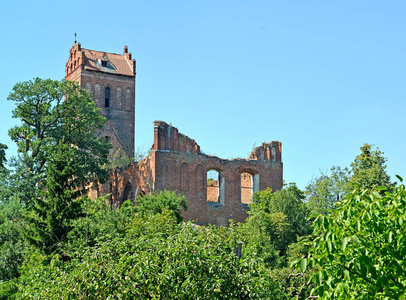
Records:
x=322, y=77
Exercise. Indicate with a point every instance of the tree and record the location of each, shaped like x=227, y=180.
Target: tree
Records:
x=360, y=249
x=157, y=258
x=51, y=111
x=369, y=170
x=160, y=201
x=12, y=244
x=275, y=221
x=58, y=203
x=327, y=189
x=3, y=159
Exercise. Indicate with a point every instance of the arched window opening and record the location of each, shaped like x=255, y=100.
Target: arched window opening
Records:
x=249, y=185
x=128, y=193
x=107, y=97
x=215, y=187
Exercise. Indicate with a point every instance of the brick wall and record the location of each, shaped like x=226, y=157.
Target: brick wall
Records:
x=176, y=164
x=120, y=113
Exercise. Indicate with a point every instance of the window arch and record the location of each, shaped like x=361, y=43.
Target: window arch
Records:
x=128, y=193
x=249, y=185
x=107, y=97
x=215, y=186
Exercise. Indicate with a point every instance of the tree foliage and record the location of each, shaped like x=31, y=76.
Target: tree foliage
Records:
x=51, y=111
x=58, y=203
x=160, y=201
x=327, y=189
x=157, y=258
x=275, y=221
x=369, y=169
x=12, y=245
x=360, y=249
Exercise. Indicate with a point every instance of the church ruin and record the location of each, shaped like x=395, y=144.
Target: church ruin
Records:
x=217, y=190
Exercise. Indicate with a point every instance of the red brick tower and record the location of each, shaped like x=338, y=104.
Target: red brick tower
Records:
x=111, y=79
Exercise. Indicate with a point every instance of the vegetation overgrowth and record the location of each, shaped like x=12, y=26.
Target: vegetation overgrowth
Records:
x=343, y=237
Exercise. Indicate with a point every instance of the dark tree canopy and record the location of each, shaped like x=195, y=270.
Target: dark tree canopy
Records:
x=52, y=111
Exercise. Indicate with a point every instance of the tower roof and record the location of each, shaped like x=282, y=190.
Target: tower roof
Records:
x=100, y=61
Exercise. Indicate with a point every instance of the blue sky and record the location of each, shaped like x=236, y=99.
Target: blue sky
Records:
x=322, y=77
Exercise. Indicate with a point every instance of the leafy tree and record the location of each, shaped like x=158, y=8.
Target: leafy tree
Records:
x=51, y=111
x=360, y=249
x=160, y=201
x=369, y=169
x=12, y=245
x=158, y=258
x=275, y=221
x=327, y=189
x=288, y=201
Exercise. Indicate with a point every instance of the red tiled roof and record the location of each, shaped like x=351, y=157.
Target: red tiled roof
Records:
x=120, y=63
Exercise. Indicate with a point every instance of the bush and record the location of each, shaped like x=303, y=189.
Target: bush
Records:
x=158, y=258
x=160, y=201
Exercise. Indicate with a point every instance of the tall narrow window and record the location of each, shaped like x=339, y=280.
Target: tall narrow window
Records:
x=215, y=186
x=247, y=187
x=107, y=97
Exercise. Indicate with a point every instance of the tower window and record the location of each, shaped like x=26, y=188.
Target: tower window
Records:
x=107, y=97
x=104, y=63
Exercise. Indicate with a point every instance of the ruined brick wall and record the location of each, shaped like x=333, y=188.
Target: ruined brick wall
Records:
x=182, y=167
x=127, y=183
x=83, y=67
x=176, y=164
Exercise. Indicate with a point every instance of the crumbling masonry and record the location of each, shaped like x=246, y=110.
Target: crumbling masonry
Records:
x=175, y=163
x=216, y=189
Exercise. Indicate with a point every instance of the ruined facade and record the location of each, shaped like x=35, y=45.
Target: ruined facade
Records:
x=217, y=190
x=111, y=79
x=176, y=163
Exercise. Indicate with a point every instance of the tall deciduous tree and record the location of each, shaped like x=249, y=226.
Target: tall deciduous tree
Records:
x=327, y=189
x=360, y=249
x=369, y=169
x=51, y=111
x=275, y=221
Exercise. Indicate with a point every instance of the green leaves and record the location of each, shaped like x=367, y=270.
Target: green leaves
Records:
x=50, y=112
x=161, y=201
x=369, y=170
x=156, y=258
x=359, y=252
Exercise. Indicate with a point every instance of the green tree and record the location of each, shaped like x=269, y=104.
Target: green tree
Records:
x=369, y=170
x=58, y=203
x=12, y=245
x=160, y=201
x=157, y=258
x=360, y=249
x=3, y=159
x=327, y=189
x=275, y=221
x=51, y=111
